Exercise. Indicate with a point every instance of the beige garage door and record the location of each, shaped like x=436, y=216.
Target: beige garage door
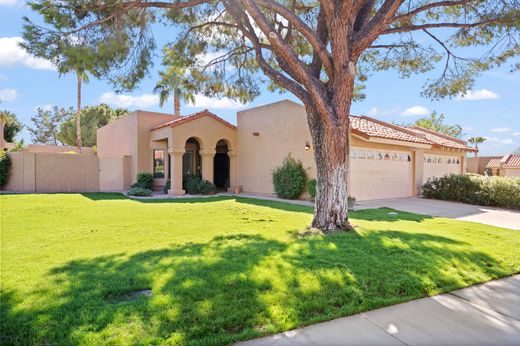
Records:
x=380, y=174
x=439, y=165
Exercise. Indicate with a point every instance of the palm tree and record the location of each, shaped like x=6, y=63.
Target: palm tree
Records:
x=476, y=141
x=169, y=84
x=81, y=76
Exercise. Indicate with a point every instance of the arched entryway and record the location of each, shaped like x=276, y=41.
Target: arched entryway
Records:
x=221, y=169
x=191, y=160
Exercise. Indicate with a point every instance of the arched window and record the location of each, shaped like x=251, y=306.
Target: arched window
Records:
x=387, y=156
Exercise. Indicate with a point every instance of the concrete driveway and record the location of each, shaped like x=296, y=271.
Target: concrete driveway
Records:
x=487, y=314
x=486, y=215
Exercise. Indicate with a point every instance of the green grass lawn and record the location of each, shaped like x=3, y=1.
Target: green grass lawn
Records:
x=221, y=269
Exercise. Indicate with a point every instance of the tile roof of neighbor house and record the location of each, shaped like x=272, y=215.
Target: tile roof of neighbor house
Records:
x=493, y=163
x=370, y=127
x=190, y=117
x=442, y=140
x=363, y=126
x=510, y=161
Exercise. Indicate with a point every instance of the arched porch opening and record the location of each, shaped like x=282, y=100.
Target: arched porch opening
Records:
x=191, y=160
x=221, y=165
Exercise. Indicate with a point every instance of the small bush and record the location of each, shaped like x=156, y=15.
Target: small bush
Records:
x=475, y=189
x=167, y=186
x=140, y=192
x=196, y=186
x=311, y=188
x=144, y=181
x=5, y=168
x=289, y=179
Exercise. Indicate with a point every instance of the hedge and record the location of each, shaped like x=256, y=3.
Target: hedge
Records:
x=5, y=167
x=475, y=189
x=311, y=188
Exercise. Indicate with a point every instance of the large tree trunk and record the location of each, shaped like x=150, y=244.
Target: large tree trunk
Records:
x=331, y=153
x=78, y=117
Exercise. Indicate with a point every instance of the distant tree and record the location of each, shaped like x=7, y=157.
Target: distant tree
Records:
x=92, y=118
x=435, y=122
x=11, y=125
x=70, y=53
x=476, y=141
x=47, y=124
x=517, y=151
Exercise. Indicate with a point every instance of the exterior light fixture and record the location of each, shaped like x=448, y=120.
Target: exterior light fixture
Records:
x=307, y=146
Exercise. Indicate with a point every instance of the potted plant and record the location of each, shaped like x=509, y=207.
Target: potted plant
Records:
x=351, y=202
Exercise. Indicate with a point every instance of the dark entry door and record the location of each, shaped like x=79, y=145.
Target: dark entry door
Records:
x=221, y=169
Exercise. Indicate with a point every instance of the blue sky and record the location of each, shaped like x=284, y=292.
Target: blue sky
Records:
x=490, y=109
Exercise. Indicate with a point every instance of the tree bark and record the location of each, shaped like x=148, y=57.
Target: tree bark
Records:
x=331, y=154
x=176, y=103
x=78, y=117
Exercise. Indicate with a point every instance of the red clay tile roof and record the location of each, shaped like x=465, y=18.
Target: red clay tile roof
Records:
x=191, y=117
x=439, y=139
x=493, y=163
x=363, y=126
x=511, y=161
x=370, y=127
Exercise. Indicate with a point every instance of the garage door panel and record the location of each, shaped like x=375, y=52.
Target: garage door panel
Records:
x=439, y=165
x=381, y=174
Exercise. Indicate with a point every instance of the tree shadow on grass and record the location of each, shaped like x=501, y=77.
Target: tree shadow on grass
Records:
x=237, y=287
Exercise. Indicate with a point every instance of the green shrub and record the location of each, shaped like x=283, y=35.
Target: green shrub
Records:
x=196, y=186
x=139, y=191
x=207, y=188
x=167, y=186
x=144, y=181
x=311, y=188
x=475, y=189
x=289, y=179
x=5, y=167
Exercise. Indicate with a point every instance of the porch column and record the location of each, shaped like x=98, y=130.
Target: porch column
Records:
x=176, y=170
x=207, y=164
x=232, y=170
x=418, y=171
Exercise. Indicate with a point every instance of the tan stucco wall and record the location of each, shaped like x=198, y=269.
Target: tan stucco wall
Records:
x=51, y=172
x=510, y=172
x=130, y=136
x=478, y=164
x=282, y=129
x=44, y=148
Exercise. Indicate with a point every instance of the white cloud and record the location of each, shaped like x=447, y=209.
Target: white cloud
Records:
x=8, y=94
x=9, y=2
x=373, y=111
x=415, y=110
x=496, y=140
x=516, y=133
x=482, y=94
x=143, y=101
x=12, y=55
x=202, y=101
x=501, y=129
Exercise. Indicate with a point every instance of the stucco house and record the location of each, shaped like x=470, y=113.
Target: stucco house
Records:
x=387, y=160
x=506, y=166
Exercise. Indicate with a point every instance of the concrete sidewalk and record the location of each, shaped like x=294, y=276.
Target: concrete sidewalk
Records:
x=487, y=314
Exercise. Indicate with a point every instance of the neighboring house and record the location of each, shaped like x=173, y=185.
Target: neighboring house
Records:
x=479, y=164
x=506, y=166
x=387, y=160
